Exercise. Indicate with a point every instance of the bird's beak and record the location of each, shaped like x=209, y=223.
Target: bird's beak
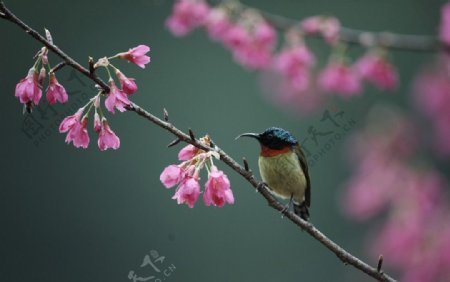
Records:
x=252, y=135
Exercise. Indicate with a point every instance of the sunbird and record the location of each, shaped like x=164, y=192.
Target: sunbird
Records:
x=283, y=167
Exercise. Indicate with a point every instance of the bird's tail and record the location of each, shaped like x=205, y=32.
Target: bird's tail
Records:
x=301, y=210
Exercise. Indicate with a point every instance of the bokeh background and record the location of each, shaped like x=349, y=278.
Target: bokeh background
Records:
x=69, y=214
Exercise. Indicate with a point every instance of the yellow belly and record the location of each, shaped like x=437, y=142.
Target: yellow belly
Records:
x=284, y=176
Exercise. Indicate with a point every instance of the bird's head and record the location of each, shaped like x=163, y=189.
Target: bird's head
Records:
x=273, y=138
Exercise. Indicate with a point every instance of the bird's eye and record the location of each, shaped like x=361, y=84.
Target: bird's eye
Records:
x=269, y=136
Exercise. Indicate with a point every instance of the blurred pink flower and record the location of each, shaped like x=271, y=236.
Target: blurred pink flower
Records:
x=187, y=152
x=328, y=27
x=251, y=49
x=127, y=84
x=311, y=25
x=339, y=78
x=294, y=64
x=378, y=70
x=187, y=15
x=137, y=55
x=217, y=24
x=188, y=192
x=116, y=99
x=55, y=91
x=444, y=28
x=28, y=89
x=331, y=27
x=171, y=176
x=217, y=189
x=432, y=97
x=107, y=138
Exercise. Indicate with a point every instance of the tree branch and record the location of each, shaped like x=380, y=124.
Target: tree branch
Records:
x=341, y=253
x=420, y=43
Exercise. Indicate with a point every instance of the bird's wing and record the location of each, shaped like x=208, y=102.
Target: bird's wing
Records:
x=302, y=159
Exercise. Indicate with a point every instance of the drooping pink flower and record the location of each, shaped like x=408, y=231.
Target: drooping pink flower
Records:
x=137, y=55
x=217, y=189
x=171, y=176
x=188, y=192
x=28, y=89
x=107, y=138
x=187, y=15
x=187, y=152
x=68, y=122
x=97, y=123
x=444, y=28
x=339, y=78
x=116, y=98
x=77, y=131
x=217, y=24
x=55, y=91
x=127, y=84
x=294, y=64
x=378, y=70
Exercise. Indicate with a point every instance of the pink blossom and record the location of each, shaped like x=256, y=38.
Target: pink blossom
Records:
x=432, y=97
x=217, y=24
x=187, y=153
x=137, y=55
x=187, y=15
x=77, y=131
x=331, y=27
x=377, y=70
x=188, y=192
x=28, y=89
x=127, y=84
x=339, y=78
x=68, y=122
x=252, y=50
x=312, y=24
x=294, y=64
x=236, y=37
x=171, y=176
x=55, y=91
x=97, y=123
x=217, y=189
x=107, y=138
x=444, y=28
x=116, y=98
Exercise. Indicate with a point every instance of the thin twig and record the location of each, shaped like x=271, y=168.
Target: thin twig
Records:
x=58, y=67
x=341, y=253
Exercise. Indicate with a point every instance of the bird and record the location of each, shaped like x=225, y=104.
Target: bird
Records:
x=283, y=167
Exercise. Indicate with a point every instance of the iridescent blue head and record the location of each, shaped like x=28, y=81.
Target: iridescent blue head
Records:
x=274, y=138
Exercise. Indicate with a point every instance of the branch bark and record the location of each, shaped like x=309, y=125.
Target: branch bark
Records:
x=340, y=252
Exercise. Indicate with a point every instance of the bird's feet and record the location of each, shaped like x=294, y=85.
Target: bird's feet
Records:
x=287, y=207
x=261, y=186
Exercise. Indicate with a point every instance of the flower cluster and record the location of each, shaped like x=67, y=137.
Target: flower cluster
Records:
x=187, y=176
x=252, y=41
x=29, y=92
x=432, y=89
x=76, y=125
x=29, y=89
x=416, y=235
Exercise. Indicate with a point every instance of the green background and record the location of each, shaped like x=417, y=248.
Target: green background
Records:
x=69, y=214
